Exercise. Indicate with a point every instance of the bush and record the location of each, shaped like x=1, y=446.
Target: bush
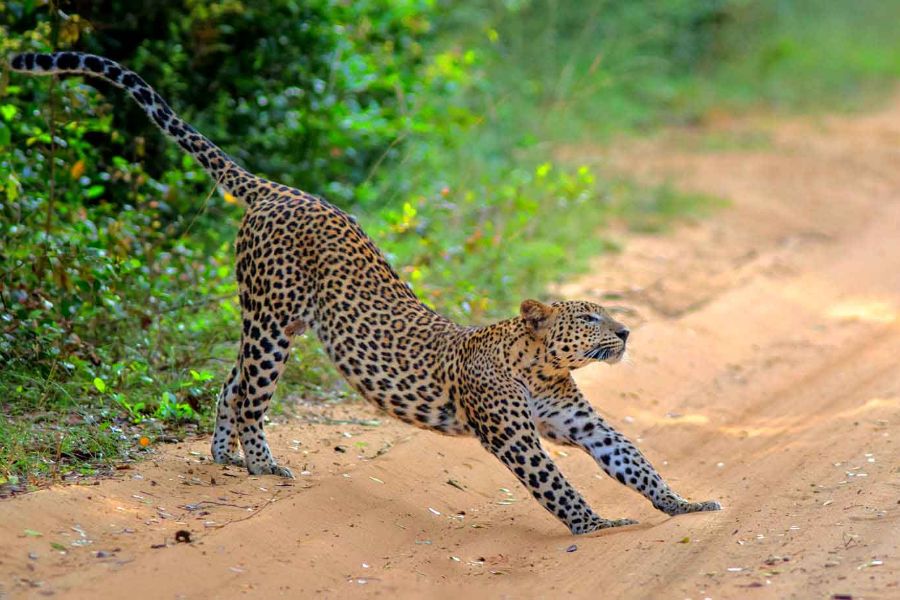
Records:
x=310, y=93
x=114, y=267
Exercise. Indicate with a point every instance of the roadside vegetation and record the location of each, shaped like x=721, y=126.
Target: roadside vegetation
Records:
x=434, y=122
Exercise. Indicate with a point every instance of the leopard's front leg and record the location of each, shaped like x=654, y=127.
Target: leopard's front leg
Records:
x=507, y=430
x=563, y=415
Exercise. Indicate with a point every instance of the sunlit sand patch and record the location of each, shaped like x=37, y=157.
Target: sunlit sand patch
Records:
x=775, y=427
x=684, y=420
x=742, y=431
x=873, y=311
x=652, y=418
x=766, y=428
x=871, y=404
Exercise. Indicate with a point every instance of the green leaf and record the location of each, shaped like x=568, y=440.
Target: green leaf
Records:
x=99, y=384
x=201, y=376
x=8, y=111
x=94, y=191
x=44, y=138
x=12, y=187
x=4, y=135
x=33, y=533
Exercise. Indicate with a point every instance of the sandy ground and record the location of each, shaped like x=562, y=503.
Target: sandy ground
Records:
x=765, y=374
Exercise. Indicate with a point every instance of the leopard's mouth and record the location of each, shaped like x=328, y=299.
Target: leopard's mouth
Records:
x=606, y=352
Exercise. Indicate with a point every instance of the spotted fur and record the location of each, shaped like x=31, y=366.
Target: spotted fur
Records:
x=302, y=263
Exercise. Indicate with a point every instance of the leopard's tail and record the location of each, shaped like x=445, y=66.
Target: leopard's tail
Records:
x=231, y=177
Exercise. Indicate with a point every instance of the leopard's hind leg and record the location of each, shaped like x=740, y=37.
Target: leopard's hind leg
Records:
x=226, y=443
x=265, y=347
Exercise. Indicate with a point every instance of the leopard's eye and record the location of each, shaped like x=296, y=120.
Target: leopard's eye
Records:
x=589, y=318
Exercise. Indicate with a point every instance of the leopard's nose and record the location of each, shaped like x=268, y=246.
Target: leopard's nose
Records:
x=622, y=334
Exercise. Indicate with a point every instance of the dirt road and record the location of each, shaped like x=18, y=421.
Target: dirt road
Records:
x=765, y=374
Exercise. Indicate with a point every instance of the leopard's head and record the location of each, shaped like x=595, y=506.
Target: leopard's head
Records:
x=575, y=333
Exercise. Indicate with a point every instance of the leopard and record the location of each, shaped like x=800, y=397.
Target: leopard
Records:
x=303, y=264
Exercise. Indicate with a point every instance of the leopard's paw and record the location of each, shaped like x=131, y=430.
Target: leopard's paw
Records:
x=270, y=469
x=607, y=523
x=229, y=459
x=691, y=507
x=598, y=523
x=281, y=471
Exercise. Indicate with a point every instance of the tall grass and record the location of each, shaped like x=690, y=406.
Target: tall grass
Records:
x=552, y=71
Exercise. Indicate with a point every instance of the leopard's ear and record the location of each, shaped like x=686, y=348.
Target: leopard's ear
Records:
x=535, y=315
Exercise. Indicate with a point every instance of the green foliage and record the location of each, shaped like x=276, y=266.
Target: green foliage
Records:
x=117, y=288
x=433, y=121
x=309, y=93
x=807, y=55
x=564, y=72
x=45, y=445
x=91, y=289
